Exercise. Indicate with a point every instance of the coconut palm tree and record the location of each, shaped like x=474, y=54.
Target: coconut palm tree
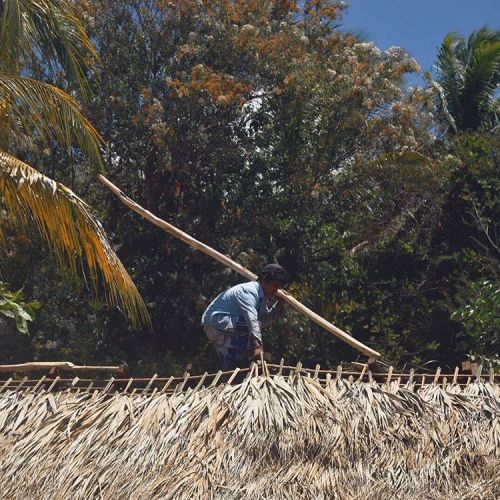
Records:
x=468, y=78
x=50, y=31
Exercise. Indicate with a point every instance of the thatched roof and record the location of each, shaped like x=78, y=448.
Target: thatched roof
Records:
x=267, y=437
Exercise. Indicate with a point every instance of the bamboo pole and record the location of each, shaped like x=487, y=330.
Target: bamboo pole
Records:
x=60, y=365
x=285, y=296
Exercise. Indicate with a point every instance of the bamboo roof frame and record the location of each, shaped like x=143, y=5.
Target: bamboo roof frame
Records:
x=145, y=385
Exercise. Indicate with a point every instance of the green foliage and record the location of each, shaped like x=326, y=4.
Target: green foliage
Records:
x=12, y=305
x=481, y=321
x=475, y=199
x=269, y=134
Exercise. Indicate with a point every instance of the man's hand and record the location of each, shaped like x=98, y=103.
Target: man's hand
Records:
x=258, y=354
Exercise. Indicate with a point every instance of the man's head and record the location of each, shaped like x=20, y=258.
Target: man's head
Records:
x=272, y=277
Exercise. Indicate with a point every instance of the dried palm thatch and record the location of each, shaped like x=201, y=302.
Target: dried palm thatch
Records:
x=268, y=437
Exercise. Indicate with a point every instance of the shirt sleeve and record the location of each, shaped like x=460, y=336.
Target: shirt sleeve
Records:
x=248, y=307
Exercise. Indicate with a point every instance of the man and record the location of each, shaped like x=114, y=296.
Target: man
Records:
x=233, y=321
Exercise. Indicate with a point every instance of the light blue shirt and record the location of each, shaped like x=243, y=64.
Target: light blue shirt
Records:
x=247, y=300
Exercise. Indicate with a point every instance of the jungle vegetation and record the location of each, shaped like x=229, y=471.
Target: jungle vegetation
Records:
x=266, y=131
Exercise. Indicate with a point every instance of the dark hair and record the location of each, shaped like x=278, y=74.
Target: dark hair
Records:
x=273, y=272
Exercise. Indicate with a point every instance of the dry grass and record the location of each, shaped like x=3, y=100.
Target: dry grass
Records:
x=266, y=438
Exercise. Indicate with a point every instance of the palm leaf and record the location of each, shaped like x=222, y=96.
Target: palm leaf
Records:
x=48, y=112
x=468, y=75
x=47, y=28
x=450, y=73
x=482, y=77
x=71, y=231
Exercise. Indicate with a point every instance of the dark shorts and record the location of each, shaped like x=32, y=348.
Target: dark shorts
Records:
x=232, y=346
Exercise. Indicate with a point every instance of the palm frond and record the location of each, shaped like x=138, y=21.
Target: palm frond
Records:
x=50, y=113
x=50, y=28
x=71, y=231
x=450, y=73
x=468, y=73
x=482, y=78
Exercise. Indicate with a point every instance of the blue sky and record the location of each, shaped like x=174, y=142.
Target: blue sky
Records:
x=418, y=26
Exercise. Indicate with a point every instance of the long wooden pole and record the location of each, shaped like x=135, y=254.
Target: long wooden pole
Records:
x=285, y=296
x=60, y=365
